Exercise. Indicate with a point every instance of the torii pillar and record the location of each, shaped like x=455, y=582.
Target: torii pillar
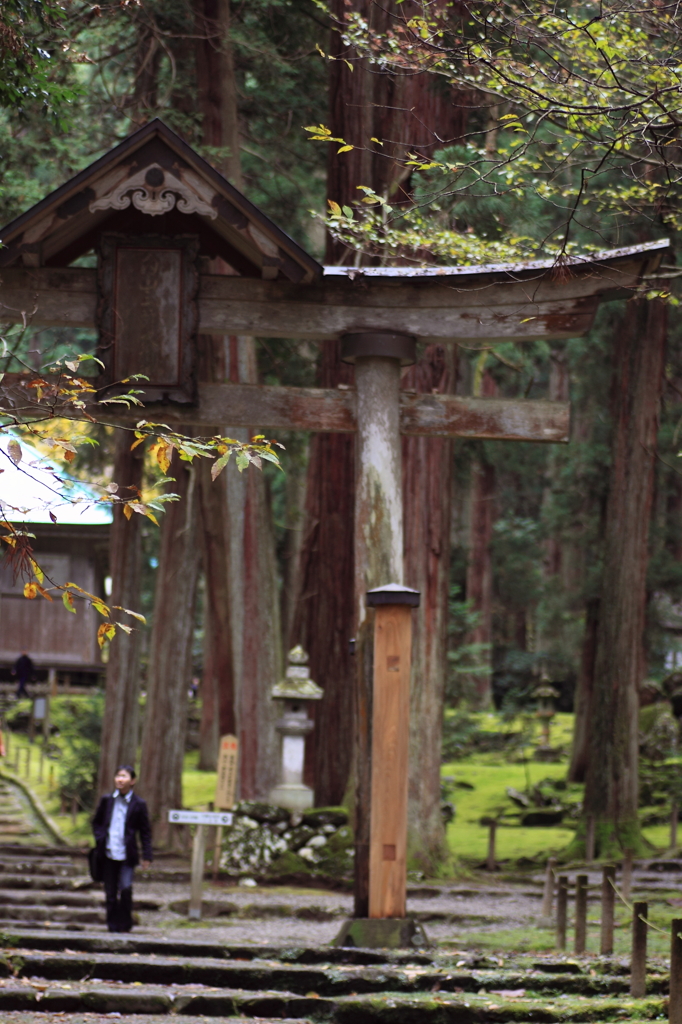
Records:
x=383, y=646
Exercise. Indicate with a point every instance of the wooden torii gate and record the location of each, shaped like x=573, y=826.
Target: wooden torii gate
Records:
x=158, y=217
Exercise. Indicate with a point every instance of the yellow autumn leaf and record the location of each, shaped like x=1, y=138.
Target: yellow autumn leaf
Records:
x=107, y=631
x=30, y=590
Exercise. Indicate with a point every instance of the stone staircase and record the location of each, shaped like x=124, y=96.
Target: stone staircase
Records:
x=43, y=973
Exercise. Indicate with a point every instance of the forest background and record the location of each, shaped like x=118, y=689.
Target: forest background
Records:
x=526, y=522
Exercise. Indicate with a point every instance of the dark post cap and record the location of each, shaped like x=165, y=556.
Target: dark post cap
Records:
x=388, y=344
x=392, y=593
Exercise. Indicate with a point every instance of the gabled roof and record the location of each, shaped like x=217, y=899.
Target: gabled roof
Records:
x=153, y=182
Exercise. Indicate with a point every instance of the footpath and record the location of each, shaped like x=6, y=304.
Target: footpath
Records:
x=265, y=954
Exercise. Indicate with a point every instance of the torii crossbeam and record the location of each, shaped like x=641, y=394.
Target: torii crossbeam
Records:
x=156, y=214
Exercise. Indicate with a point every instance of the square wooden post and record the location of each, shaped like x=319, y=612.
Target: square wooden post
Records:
x=390, y=746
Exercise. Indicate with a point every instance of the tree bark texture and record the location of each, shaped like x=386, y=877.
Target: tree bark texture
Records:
x=216, y=86
x=427, y=493
x=323, y=621
x=479, y=579
x=405, y=111
x=612, y=772
x=217, y=684
x=254, y=603
x=170, y=654
x=120, y=733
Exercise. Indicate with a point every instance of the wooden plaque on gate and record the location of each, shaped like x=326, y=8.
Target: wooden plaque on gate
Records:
x=226, y=783
x=147, y=313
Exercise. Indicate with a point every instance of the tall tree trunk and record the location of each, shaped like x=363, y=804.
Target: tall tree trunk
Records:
x=427, y=492
x=254, y=603
x=217, y=684
x=323, y=622
x=217, y=95
x=216, y=85
x=120, y=734
x=170, y=654
x=611, y=788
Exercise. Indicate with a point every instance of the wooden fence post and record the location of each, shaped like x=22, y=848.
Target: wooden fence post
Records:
x=561, y=911
x=638, y=961
x=548, y=894
x=675, y=1005
x=608, y=896
x=580, y=940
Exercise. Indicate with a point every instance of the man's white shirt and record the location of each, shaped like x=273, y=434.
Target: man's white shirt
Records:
x=116, y=847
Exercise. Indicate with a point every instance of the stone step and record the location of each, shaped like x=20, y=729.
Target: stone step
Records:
x=33, y=913
x=67, y=883
x=67, y=899
x=95, y=997
x=34, y=866
x=328, y=979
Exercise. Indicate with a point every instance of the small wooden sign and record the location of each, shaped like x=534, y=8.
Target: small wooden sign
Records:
x=226, y=783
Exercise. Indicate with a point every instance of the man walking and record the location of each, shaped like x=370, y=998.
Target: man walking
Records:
x=23, y=669
x=117, y=820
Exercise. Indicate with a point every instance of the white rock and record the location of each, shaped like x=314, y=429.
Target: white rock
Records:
x=316, y=842
x=307, y=854
x=328, y=829
x=248, y=883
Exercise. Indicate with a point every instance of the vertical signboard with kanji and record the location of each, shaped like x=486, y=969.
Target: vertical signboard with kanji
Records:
x=226, y=783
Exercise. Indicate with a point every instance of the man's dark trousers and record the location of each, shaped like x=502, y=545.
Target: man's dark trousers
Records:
x=118, y=892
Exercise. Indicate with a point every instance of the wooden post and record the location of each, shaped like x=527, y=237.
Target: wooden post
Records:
x=675, y=1004
x=674, y=817
x=626, y=881
x=580, y=940
x=491, y=846
x=28, y=762
x=378, y=560
x=50, y=781
x=638, y=961
x=40, y=763
x=390, y=749
x=548, y=893
x=561, y=911
x=74, y=810
x=52, y=682
x=589, y=839
x=608, y=896
x=198, y=850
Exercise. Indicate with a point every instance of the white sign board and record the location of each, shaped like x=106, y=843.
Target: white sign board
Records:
x=39, y=709
x=200, y=817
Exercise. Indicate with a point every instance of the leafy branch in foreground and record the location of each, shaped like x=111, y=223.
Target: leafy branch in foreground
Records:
x=30, y=404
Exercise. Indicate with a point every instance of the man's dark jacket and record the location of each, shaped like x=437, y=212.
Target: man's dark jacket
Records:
x=137, y=820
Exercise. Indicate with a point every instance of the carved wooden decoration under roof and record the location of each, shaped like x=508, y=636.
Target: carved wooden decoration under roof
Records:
x=154, y=174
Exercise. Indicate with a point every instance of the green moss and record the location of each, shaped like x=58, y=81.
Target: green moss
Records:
x=289, y=863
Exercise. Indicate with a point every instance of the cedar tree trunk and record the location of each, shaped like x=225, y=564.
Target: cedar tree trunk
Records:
x=170, y=655
x=121, y=701
x=427, y=492
x=611, y=788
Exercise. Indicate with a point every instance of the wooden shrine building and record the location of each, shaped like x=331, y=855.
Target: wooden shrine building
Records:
x=182, y=254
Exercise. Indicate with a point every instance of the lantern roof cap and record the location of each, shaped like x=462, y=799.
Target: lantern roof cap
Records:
x=154, y=181
x=297, y=685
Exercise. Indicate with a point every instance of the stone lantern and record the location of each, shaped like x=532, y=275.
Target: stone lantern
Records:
x=545, y=694
x=295, y=689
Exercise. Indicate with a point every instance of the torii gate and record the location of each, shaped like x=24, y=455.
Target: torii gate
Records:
x=155, y=212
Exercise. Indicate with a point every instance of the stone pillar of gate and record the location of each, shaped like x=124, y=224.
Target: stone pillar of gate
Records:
x=378, y=554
